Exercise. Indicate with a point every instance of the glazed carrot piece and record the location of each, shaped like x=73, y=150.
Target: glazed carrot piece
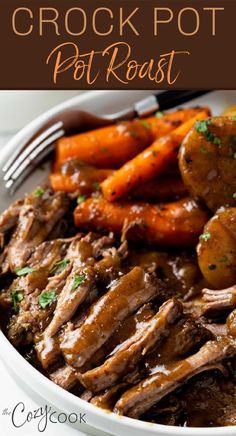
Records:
x=172, y=224
x=107, y=147
x=162, y=189
x=162, y=124
x=149, y=164
x=86, y=180
x=112, y=146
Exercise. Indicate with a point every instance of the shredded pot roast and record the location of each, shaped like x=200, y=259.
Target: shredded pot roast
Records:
x=118, y=278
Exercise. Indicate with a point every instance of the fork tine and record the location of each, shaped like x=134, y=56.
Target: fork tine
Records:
x=36, y=153
x=32, y=161
x=18, y=157
x=12, y=185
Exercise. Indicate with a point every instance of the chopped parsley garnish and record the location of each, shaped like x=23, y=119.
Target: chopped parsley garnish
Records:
x=39, y=192
x=24, y=271
x=60, y=266
x=159, y=114
x=205, y=236
x=212, y=267
x=223, y=259
x=205, y=151
x=81, y=199
x=78, y=280
x=47, y=298
x=234, y=155
x=133, y=134
x=145, y=124
x=104, y=149
x=16, y=297
x=96, y=185
x=212, y=138
x=202, y=127
x=234, y=195
x=216, y=140
x=233, y=118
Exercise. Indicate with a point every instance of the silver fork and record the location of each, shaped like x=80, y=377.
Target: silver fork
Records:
x=28, y=157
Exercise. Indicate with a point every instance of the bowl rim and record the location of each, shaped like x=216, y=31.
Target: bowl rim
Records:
x=13, y=359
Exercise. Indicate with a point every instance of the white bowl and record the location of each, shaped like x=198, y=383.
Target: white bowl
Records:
x=97, y=419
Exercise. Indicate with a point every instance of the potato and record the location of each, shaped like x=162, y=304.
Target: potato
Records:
x=207, y=160
x=217, y=249
x=229, y=112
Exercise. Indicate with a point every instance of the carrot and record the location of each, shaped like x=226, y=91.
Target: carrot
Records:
x=107, y=147
x=162, y=124
x=149, y=164
x=112, y=146
x=173, y=224
x=162, y=189
x=65, y=183
x=78, y=176
x=75, y=175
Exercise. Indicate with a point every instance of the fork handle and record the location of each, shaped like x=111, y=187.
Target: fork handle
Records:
x=165, y=100
x=67, y=120
x=143, y=108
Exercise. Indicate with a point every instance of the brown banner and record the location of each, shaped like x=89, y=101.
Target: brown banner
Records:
x=106, y=44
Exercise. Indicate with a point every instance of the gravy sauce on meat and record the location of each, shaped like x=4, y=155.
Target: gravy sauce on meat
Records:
x=130, y=304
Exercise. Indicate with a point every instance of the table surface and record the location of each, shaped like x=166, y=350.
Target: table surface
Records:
x=12, y=394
